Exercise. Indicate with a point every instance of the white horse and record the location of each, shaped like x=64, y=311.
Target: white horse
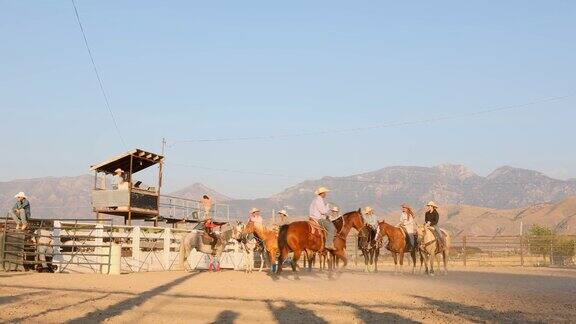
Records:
x=196, y=240
x=428, y=246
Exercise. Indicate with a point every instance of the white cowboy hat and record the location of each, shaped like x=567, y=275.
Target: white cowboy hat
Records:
x=254, y=210
x=433, y=204
x=283, y=212
x=118, y=170
x=322, y=190
x=20, y=195
x=368, y=210
x=335, y=209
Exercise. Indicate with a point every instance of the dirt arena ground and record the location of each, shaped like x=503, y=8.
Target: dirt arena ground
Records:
x=471, y=295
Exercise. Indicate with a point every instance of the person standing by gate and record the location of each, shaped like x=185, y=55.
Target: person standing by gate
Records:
x=20, y=212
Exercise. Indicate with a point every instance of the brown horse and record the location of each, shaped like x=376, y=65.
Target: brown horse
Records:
x=343, y=226
x=350, y=220
x=269, y=237
x=299, y=237
x=398, y=244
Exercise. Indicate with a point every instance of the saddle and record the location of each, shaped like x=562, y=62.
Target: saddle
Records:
x=208, y=239
x=315, y=228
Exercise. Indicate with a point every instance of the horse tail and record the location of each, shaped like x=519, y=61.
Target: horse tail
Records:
x=282, y=237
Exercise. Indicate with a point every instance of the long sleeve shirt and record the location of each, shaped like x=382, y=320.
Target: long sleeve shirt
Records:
x=24, y=204
x=408, y=222
x=318, y=208
x=432, y=218
x=371, y=220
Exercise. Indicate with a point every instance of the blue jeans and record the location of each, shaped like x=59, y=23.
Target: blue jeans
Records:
x=19, y=216
x=330, y=232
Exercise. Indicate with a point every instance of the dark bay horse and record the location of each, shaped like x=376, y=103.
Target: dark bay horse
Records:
x=300, y=237
x=398, y=244
x=370, y=247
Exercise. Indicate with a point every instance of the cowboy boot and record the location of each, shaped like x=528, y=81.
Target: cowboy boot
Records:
x=210, y=266
x=218, y=267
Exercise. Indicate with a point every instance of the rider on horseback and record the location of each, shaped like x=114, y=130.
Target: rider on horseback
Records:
x=431, y=218
x=209, y=229
x=408, y=223
x=371, y=219
x=319, y=212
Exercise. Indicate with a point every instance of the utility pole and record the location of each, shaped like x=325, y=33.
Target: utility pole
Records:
x=163, y=145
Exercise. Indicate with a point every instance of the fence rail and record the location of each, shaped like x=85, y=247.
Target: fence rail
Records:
x=472, y=250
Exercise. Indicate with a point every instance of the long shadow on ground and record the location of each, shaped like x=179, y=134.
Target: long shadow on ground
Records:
x=125, y=305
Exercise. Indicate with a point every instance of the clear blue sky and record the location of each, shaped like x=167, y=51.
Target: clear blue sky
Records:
x=191, y=69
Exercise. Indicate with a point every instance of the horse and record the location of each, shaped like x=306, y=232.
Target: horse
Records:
x=398, y=244
x=428, y=246
x=270, y=239
x=248, y=246
x=301, y=236
x=343, y=226
x=370, y=247
x=195, y=240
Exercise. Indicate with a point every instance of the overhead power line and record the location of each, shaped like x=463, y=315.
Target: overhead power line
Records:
x=368, y=128
x=100, y=83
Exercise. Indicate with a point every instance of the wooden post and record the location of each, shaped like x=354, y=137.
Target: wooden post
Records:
x=136, y=244
x=356, y=253
x=521, y=250
x=130, y=192
x=166, y=251
x=464, y=253
x=99, y=232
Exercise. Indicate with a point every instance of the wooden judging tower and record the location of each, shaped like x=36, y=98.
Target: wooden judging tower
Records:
x=129, y=199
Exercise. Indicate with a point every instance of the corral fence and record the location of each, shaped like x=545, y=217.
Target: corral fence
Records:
x=499, y=250
x=62, y=245
x=85, y=246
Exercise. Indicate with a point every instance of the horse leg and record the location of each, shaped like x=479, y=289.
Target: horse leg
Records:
x=413, y=255
x=401, y=262
x=395, y=262
x=295, y=258
x=311, y=256
x=376, y=257
x=445, y=259
x=366, y=259
x=281, y=258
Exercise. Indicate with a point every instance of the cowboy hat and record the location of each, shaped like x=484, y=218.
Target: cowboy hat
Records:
x=254, y=210
x=433, y=204
x=335, y=209
x=118, y=170
x=368, y=210
x=283, y=212
x=20, y=195
x=322, y=190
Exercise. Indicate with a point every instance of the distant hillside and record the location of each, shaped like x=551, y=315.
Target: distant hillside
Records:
x=470, y=203
x=51, y=197
x=388, y=188
x=197, y=190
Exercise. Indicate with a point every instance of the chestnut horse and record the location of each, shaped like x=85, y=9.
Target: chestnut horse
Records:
x=350, y=220
x=297, y=237
x=270, y=239
x=398, y=244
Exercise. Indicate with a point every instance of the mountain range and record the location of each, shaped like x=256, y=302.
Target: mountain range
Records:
x=466, y=198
